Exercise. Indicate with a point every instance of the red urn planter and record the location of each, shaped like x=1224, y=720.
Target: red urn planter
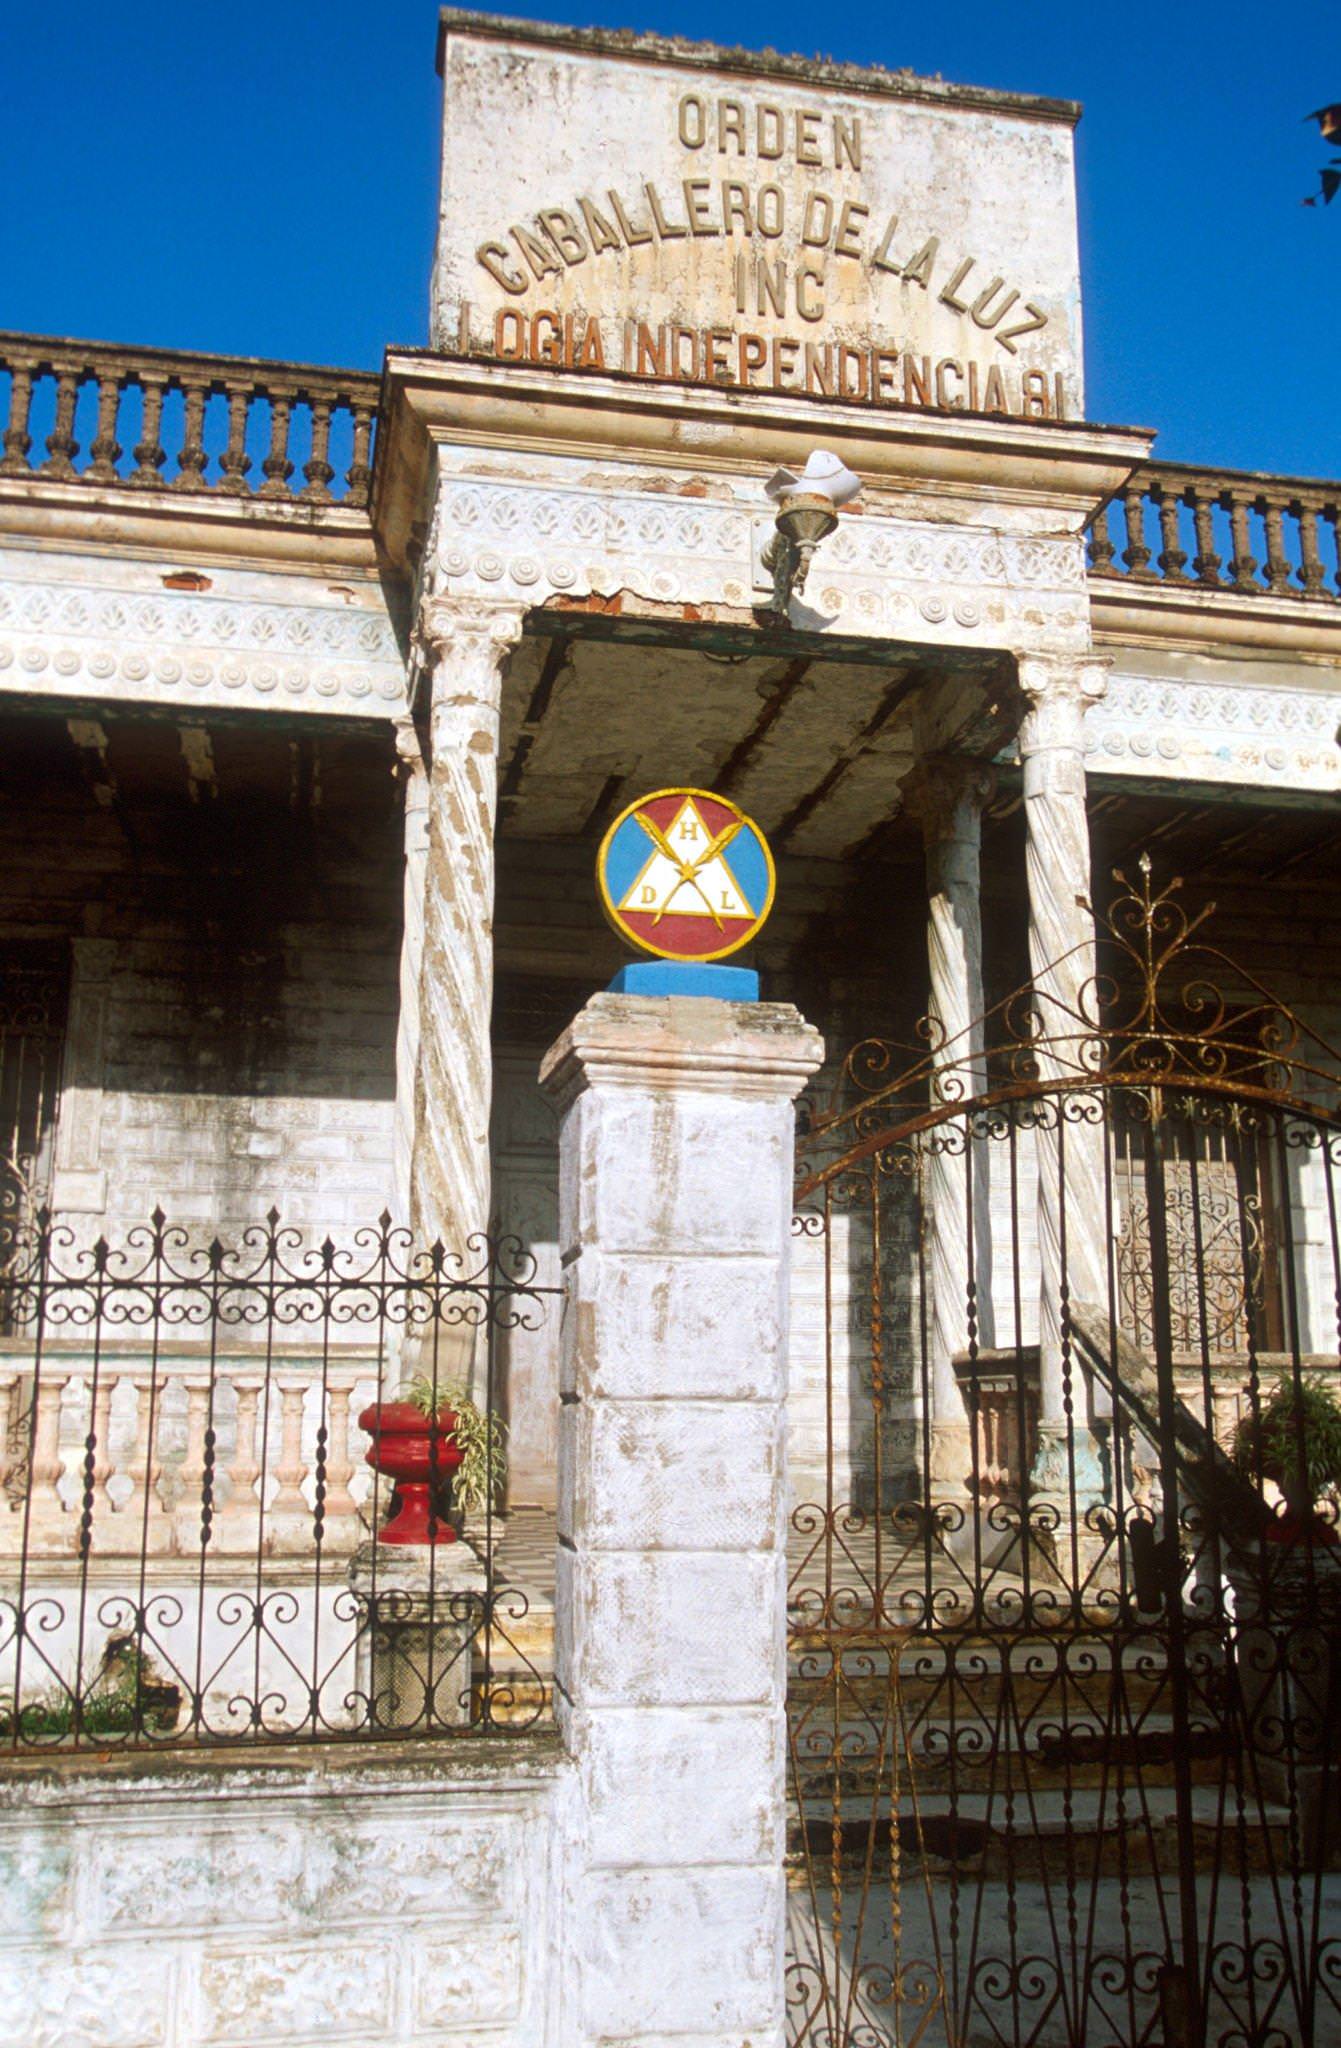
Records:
x=418, y=1453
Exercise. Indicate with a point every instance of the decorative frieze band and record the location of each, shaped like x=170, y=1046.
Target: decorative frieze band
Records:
x=118, y=630
x=1184, y=731
x=876, y=577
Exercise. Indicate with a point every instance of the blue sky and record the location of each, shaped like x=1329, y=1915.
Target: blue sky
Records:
x=259, y=179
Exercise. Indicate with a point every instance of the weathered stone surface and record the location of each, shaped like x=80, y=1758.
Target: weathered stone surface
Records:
x=676, y=1150
x=390, y=1896
x=812, y=165
x=34, y=1884
x=668, y=1173
x=654, y=1327
x=670, y=1475
x=273, y=1992
x=122, y=1997
x=704, y=1945
x=474, y=1978
x=648, y=1774
x=668, y=1629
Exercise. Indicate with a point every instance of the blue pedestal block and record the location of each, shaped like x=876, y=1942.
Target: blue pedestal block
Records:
x=684, y=978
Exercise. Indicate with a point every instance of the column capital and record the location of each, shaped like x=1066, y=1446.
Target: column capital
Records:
x=689, y=1042
x=946, y=794
x=94, y=958
x=470, y=637
x=467, y=625
x=1057, y=691
x=1070, y=678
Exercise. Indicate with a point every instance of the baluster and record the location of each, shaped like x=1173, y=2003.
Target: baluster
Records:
x=340, y=1522
x=193, y=459
x=1136, y=554
x=246, y=1465
x=317, y=469
x=236, y=462
x=149, y=453
x=1280, y=573
x=277, y=467
x=288, y=1516
x=1011, y=1460
x=193, y=1502
x=1205, y=562
x=48, y=1459
x=1314, y=575
x=146, y=1465
x=1332, y=514
x=360, y=467
x=170, y=1477
x=98, y=1457
x=239, y=1529
x=62, y=446
x=1172, y=554
x=17, y=439
x=105, y=452
x=9, y=1449
x=1102, y=550
x=1242, y=563
x=986, y=1459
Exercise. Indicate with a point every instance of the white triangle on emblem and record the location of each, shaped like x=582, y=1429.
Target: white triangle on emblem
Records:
x=662, y=888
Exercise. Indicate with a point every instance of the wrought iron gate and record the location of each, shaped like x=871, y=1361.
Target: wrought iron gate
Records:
x=1065, y=1610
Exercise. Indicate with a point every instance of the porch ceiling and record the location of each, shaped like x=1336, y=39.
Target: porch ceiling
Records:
x=140, y=770
x=813, y=748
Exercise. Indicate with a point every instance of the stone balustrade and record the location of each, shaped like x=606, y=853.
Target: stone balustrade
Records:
x=1222, y=530
x=145, y=1458
x=290, y=433
x=157, y=420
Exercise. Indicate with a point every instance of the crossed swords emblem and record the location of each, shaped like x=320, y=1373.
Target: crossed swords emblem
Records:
x=689, y=870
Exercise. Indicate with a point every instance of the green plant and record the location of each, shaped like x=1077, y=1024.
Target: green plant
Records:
x=480, y=1437
x=124, y=1698
x=1269, y=1443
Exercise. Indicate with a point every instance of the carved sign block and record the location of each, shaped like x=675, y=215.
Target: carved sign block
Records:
x=763, y=224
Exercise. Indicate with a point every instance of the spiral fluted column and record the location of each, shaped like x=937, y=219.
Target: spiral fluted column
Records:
x=946, y=794
x=463, y=645
x=1071, y=1167
x=414, y=798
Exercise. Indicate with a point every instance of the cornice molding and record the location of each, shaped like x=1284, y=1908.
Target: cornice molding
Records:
x=79, y=628
x=1184, y=730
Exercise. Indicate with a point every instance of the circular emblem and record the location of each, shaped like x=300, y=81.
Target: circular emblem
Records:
x=685, y=875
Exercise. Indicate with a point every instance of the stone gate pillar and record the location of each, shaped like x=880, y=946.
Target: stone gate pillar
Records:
x=464, y=644
x=1072, y=1212
x=676, y=1162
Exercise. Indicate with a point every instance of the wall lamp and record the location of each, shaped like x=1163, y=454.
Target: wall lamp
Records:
x=807, y=511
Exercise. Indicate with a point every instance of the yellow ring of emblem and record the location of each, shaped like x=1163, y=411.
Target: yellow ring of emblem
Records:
x=611, y=909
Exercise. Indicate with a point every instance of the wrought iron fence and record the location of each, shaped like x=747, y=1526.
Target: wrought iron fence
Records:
x=252, y=1492
x=1065, y=1599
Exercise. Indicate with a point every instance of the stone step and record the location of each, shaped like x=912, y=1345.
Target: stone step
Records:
x=969, y=1755
x=1082, y=1833
x=1077, y=1674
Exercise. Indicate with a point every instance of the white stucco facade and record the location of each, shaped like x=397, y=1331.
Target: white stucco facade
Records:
x=304, y=793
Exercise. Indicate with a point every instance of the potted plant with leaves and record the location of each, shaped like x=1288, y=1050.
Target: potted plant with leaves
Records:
x=443, y=1455
x=1294, y=1443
